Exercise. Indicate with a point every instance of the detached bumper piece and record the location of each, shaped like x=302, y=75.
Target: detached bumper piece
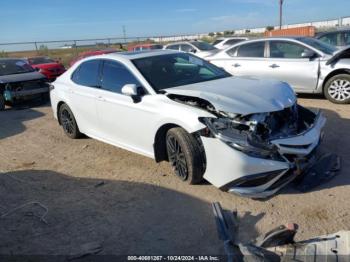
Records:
x=278, y=244
x=323, y=170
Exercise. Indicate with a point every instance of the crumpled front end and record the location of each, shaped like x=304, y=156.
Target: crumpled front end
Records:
x=258, y=154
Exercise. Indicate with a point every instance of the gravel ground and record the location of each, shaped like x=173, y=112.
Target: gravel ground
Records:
x=124, y=203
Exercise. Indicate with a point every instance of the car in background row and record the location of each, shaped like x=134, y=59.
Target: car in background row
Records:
x=245, y=136
x=91, y=53
x=307, y=64
x=339, y=38
x=47, y=66
x=225, y=42
x=20, y=81
x=143, y=47
x=198, y=48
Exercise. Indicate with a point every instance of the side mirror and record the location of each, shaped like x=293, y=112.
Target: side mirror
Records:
x=130, y=90
x=134, y=91
x=193, y=51
x=308, y=54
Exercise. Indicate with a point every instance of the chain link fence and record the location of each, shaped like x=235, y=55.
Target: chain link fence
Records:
x=67, y=50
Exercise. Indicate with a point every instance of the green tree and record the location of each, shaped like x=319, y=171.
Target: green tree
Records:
x=270, y=28
x=43, y=50
x=228, y=32
x=211, y=34
x=3, y=54
x=218, y=34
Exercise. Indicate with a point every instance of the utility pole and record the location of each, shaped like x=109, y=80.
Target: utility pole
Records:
x=281, y=10
x=124, y=33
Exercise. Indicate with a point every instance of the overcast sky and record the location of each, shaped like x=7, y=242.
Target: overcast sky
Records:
x=35, y=20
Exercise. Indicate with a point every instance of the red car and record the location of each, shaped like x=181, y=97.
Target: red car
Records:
x=91, y=53
x=48, y=67
x=141, y=47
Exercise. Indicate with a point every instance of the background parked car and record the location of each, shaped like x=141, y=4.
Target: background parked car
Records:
x=307, y=64
x=20, y=81
x=142, y=47
x=47, y=66
x=225, y=42
x=338, y=38
x=91, y=53
x=199, y=48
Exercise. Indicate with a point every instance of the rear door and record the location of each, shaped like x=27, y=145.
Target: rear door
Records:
x=246, y=60
x=287, y=64
x=82, y=95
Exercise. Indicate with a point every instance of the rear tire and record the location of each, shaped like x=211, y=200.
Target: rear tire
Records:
x=337, y=89
x=185, y=155
x=2, y=103
x=68, y=122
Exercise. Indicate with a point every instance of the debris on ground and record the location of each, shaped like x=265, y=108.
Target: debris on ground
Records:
x=278, y=244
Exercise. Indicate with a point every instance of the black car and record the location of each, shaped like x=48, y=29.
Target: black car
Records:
x=19, y=81
x=339, y=38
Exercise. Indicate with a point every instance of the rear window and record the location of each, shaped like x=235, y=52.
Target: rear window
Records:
x=14, y=66
x=173, y=47
x=40, y=60
x=87, y=74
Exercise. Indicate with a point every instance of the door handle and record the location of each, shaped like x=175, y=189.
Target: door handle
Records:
x=236, y=65
x=274, y=66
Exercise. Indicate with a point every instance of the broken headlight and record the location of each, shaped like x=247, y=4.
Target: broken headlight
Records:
x=239, y=135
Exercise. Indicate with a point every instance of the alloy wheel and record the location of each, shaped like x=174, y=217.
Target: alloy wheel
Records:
x=339, y=89
x=67, y=121
x=177, y=158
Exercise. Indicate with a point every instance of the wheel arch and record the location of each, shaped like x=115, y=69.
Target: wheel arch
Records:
x=59, y=104
x=334, y=73
x=159, y=146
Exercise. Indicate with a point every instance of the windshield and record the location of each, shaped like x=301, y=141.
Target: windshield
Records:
x=166, y=71
x=13, y=66
x=325, y=48
x=40, y=60
x=203, y=46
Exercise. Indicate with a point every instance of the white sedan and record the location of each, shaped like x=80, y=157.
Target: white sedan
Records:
x=243, y=135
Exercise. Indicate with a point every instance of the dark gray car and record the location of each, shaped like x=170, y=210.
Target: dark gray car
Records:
x=19, y=81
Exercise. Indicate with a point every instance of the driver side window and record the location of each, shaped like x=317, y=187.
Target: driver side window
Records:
x=281, y=49
x=115, y=76
x=186, y=48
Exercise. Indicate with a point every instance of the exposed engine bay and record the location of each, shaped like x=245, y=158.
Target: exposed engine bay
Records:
x=253, y=133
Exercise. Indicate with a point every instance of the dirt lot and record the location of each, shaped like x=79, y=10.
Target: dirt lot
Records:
x=127, y=204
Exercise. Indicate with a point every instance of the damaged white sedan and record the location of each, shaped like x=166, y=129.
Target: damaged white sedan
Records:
x=243, y=135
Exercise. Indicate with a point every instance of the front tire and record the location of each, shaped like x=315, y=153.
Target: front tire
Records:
x=2, y=103
x=185, y=155
x=68, y=122
x=337, y=89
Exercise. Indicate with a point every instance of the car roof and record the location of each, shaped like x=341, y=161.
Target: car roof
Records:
x=138, y=54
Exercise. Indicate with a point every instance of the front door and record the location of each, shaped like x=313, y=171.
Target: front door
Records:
x=287, y=64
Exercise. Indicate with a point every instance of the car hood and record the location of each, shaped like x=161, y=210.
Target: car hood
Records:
x=240, y=95
x=340, y=54
x=21, y=77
